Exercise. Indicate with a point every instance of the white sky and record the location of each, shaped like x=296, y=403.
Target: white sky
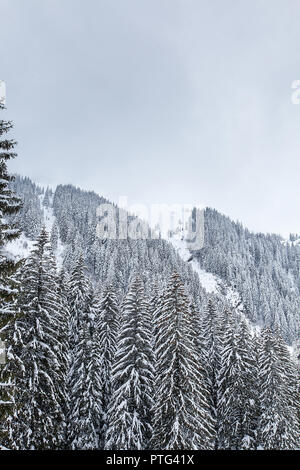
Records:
x=162, y=101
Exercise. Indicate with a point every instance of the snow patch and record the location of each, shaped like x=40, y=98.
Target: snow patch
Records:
x=207, y=280
x=49, y=219
x=210, y=282
x=20, y=248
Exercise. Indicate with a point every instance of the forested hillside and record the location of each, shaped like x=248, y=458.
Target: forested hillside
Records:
x=263, y=268
x=123, y=348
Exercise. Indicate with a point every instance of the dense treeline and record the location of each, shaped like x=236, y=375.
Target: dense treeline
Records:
x=85, y=371
x=264, y=269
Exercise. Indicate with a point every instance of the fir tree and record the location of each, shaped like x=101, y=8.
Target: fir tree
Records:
x=182, y=415
x=130, y=421
x=210, y=339
x=278, y=424
x=9, y=205
x=35, y=345
x=85, y=396
x=107, y=325
x=84, y=380
x=236, y=401
x=63, y=329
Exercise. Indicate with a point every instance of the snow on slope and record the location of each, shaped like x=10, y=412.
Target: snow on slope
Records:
x=49, y=219
x=20, y=248
x=208, y=281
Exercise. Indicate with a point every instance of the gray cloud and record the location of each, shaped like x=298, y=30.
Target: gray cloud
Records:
x=163, y=101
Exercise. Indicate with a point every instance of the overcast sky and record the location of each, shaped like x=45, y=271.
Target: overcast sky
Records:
x=162, y=101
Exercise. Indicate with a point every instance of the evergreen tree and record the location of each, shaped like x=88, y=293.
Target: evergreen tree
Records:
x=129, y=414
x=84, y=383
x=236, y=401
x=36, y=348
x=278, y=427
x=85, y=396
x=78, y=292
x=107, y=325
x=182, y=415
x=9, y=205
x=210, y=339
x=63, y=329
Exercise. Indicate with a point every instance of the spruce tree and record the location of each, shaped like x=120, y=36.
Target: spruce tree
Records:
x=78, y=293
x=210, y=339
x=85, y=395
x=278, y=423
x=129, y=413
x=84, y=389
x=9, y=205
x=182, y=417
x=236, y=401
x=37, y=352
x=107, y=325
x=63, y=329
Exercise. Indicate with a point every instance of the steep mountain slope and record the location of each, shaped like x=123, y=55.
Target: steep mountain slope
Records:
x=73, y=212
x=261, y=268
x=256, y=274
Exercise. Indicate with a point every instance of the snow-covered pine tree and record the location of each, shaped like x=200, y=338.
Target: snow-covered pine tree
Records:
x=79, y=288
x=236, y=380
x=182, y=418
x=84, y=386
x=64, y=363
x=107, y=325
x=9, y=205
x=85, y=398
x=291, y=387
x=129, y=413
x=278, y=426
x=210, y=338
x=36, y=346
